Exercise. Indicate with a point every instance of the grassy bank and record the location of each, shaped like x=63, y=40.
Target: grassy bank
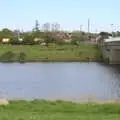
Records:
x=46, y=110
x=84, y=52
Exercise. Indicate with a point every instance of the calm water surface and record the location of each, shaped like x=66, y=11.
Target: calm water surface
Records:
x=67, y=81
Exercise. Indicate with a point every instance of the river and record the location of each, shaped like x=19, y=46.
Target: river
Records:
x=77, y=81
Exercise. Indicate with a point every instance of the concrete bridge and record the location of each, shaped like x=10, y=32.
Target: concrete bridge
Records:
x=110, y=49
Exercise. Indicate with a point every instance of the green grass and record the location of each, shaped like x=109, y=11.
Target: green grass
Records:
x=84, y=52
x=58, y=110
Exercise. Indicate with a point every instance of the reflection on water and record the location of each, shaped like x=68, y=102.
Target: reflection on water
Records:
x=68, y=81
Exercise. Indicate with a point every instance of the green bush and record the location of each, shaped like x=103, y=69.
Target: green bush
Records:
x=106, y=60
x=7, y=57
x=28, y=40
x=74, y=42
x=22, y=57
x=15, y=41
x=60, y=42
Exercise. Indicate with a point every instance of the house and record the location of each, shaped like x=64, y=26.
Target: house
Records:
x=5, y=40
x=4, y=101
x=20, y=39
x=62, y=36
x=38, y=39
x=93, y=39
x=43, y=44
x=67, y=40
x=102, y=36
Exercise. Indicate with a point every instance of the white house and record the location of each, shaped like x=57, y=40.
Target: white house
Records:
x=20, y=39
x=38, y=39
x=5, y=40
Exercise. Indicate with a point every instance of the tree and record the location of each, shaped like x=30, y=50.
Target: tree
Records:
x=28, y=40
x=77, y=39
x=105, y=34
x=47, y=40
x=118, y=33
x=22, y=57
x=5, y=30
x=37, y=34
x=6, y=33
x=15, y=41
x=7, y=57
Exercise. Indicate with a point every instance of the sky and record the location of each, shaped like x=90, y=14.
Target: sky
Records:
x=70, y=14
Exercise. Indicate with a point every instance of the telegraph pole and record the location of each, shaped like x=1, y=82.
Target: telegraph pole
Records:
x=88, y=28
x=112, y=29
x=81, y=28
x=18, y=34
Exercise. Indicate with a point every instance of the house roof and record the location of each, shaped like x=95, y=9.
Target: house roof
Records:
x=112, y=39
x=62, y=35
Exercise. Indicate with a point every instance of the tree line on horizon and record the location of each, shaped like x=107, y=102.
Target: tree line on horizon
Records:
x=47, y=36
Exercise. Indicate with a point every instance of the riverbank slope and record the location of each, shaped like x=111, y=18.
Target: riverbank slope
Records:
x=64, y=53
x=58, y=110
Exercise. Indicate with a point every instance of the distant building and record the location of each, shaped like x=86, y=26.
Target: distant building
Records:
x=20, y=39
x=62, y=36
x=102, y=36
x=38, y=39
x=5, y=40
x=43, y=44
x=93, y=39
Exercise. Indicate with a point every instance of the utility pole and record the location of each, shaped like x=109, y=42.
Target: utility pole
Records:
x=88, y=28
x=18, y=34
x=112, y=29
x=96, y=31
x=81, y=28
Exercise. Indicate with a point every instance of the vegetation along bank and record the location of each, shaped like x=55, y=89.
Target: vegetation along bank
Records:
x=57, y=53
x=58, y=110
x=37, y=46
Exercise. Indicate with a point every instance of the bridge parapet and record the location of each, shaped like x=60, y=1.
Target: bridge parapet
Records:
x=110, y=49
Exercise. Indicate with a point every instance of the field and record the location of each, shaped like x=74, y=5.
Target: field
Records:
x=84, y=52
x=58, y=110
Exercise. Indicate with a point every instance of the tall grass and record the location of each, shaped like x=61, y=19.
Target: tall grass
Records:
x=58, y=110
x=83, y=52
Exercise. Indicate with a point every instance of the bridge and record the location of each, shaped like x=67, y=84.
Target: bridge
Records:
x=110, y=49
